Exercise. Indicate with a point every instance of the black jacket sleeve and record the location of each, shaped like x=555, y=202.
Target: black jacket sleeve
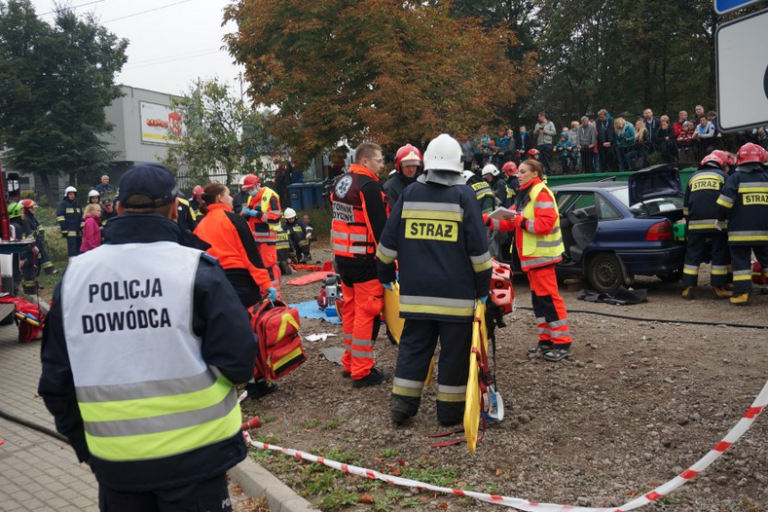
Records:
x=229, y=344
x=375, y=209
x=57, y=386
x=246, y=238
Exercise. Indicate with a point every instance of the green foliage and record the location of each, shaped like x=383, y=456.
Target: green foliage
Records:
x=56, y=82
x=389, y=452
x=222, y=134
x=334, y=423
x=443, y=477
x=337, y=499
x=310, y=424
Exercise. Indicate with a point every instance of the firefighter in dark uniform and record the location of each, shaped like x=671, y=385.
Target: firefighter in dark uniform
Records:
x=436, y=234
x=700, y=208
x=285, y=253
x=70, y=218
x=483, y=192
x=744, y=204
x=187, y=218
x=38, y=231
x=297, y=232
x=359, y=214
x=141, y=350
x=513, y=185
x=492, y=176
x=408, y=164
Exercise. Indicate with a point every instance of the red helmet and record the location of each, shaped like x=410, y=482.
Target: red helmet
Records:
x=533, y=153
x=726, y=157
x=197, y=191
x=751, y=152
x=250, y=180
x=714, y=158
x=510, y=169
x=28, y=204
x=408, y=155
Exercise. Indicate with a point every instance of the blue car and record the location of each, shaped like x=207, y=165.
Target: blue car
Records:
x=613, y=231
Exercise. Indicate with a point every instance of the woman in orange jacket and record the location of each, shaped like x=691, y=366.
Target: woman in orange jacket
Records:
x=539, y=246
x=233, y=245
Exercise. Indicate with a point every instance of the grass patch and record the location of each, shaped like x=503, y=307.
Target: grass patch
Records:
x=389, y=452
x=334, y=423
x=442, y=477
x=310, y=424
x=337, y=499
x=266, y=420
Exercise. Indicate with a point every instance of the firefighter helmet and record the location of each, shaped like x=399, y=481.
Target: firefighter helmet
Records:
x=408, y=155
x=468, y=175
x=533, y=153
x=490, y=169
x=70, y=189
x=250, y=180
x=725, y=156
x=510, y=168
x=28, y=204
x=751, y=152
x=93, y=193
x=443, y=154
x=197, y=191
x=289, y=213
x=713, y=158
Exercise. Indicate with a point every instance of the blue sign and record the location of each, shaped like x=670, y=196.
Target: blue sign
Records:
x=724, y=6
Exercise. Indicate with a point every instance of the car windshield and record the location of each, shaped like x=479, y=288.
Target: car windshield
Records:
x=655, y=206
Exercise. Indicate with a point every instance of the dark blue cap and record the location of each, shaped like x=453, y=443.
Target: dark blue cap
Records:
x=152, y=182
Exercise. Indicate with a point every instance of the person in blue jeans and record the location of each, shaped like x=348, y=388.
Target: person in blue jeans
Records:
x=625, y=138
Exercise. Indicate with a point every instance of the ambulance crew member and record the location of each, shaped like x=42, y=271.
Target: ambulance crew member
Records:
x=359, y=214
x=70, y=218
x=297, y=233
x=140, y=352
x=744, y=204
x=700, y=208
x=539, y=246
x=513, y=185
x=232, y=244
x=263, y=214
x=408, y=165
x=436, y=234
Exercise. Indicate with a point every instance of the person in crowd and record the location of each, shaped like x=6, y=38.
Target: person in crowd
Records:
x=467, y=151
x=703, y=137
x=433, y=307
x=743, y=205
x=104, y=188
x=94, y=197
x=544, y=131
x=682, y=118
x=38, y=230
x=524, y=144
x=652, y=125
x=606, y=140
x=666, y=140
x=513, y=185
x=539, y=246
x=185, y=217
x=194, y=203
x=587, y=145
x=69, y=215
x=637, y=156
x=359, y=214
x=565, y=149
x=263, y=213
x=240, y=198
x=481, y=144
x=91, y=227
x=699, y=112
x=700, y=209
x=625, y=139
x=407, y=167
x=712, y=118
x=148, y=401
x=685, y=142
x=309, y=229
x=107, y=211
x=573, y=137
x=297, y=233
x=507, y=147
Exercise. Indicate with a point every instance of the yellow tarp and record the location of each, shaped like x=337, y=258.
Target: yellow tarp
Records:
x=395, y=324
x=473, y=398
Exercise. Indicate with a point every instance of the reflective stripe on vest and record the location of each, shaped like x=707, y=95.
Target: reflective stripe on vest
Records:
x=543, y=248
x=143, y=388
x=266, y=204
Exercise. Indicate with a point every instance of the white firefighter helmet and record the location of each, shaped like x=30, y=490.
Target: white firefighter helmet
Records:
x=443, y=154
x=70, y=189
x=289, y=213
x=490, y=169
x=93, y=193
x=467, y=175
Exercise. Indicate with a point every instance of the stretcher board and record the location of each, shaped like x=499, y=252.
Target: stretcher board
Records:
x=473, y=405
x=314, y=277
x=395, y=324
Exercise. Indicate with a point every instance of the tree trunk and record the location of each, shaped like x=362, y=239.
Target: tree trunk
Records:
x=73, y=179
x=50, y=195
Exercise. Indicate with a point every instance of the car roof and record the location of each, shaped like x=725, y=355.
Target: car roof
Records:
x=605, y=185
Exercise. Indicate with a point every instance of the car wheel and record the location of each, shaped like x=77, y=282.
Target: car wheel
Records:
x=672, y=277
x=605, y=273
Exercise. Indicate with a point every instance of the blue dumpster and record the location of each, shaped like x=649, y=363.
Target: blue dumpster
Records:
x=296, y=199
x=307, y=199
x=317, y=189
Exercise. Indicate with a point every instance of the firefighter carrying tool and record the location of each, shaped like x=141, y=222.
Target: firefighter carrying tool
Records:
x=744, y=203
x=359, y=215
x=700, y=207
x=263, y=214
x=436, y=234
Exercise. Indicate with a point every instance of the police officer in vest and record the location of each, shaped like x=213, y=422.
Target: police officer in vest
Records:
x=436, y=233
x=140, y=352
x=700, y=207
x=744, y=204
x=359, y=215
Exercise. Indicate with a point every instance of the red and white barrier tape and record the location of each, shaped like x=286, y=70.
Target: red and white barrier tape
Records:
x=520, y=504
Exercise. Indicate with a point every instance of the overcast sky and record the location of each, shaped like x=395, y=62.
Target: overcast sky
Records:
x=169, y=46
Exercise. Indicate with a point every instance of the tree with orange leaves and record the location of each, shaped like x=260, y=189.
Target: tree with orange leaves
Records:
x=389, y=70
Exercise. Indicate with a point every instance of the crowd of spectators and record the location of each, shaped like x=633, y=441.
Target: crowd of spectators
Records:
x=605, y=143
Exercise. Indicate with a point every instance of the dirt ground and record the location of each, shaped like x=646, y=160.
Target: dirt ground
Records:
x=640, y=402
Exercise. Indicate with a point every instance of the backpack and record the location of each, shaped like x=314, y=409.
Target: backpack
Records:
x=280, y=350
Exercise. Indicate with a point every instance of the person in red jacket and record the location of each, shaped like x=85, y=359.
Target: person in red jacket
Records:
x=539, y=245
x=233, y=245
x=91, y=228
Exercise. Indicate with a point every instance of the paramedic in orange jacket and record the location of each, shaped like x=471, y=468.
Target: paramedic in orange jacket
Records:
x=539, y=246
x=263, y=214
x=232, y=244
x=359, y=216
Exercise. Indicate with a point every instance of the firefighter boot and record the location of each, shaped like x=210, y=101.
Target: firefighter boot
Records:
x=688, y=293
x=722, y=293
x=740, y=300
x=400, y=411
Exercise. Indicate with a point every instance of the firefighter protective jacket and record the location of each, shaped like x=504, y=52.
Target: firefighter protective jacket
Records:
x=744, y=202
x=69, y=215
x=298, y=236
x=266, y=222
x=437, y=235
x=142, y=345
x=359, y=215
x=483, y=193
x=284, y=250
x=393, y=189
x=700, y=204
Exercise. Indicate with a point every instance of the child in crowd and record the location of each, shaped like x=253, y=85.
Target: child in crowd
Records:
x=565, y=148
x=91, y=228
